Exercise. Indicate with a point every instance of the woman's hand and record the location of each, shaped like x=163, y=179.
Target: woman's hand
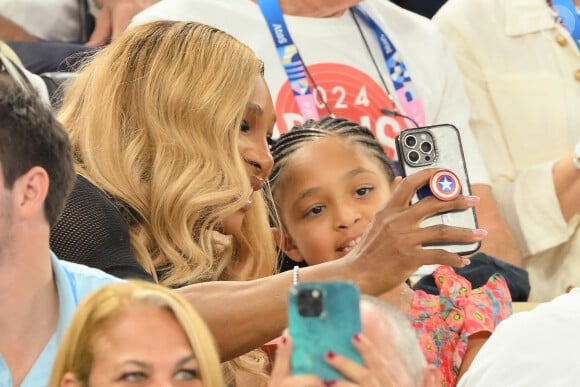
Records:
x=281, y=375
x=391, y=248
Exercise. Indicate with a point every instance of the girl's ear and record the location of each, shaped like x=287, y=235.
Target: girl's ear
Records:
x=286, y=244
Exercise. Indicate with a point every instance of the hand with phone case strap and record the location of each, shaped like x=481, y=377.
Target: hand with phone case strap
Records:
x=392, y=245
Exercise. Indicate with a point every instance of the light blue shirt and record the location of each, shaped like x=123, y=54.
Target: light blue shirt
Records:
x=73, y=282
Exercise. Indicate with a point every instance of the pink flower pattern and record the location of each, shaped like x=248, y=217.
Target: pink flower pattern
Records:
x=445, y=322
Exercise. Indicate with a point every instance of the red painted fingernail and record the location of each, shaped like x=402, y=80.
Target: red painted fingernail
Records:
x=329, y=383
x=284, y=340
x=330, y=355
x=356, y=337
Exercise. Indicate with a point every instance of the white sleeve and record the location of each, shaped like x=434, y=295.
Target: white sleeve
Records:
x=536, y=348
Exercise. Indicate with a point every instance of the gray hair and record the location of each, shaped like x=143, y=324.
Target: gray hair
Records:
x=404, y=337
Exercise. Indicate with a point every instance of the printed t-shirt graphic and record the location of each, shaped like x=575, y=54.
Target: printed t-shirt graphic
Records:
x=350, y=93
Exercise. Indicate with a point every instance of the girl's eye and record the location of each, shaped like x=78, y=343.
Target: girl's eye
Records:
x=315, y=210
x=187, y=374
x=133, y=377
x=244, y=126
x=363, y=191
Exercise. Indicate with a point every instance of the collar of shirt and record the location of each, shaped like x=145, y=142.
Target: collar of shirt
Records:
x=526, y=16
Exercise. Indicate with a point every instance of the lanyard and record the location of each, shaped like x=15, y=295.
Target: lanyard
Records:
x=404, y=88
x=570, y=18
x=290, y=58
x=293, y=64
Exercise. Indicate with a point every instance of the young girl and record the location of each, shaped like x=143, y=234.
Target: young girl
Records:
x=330, y=178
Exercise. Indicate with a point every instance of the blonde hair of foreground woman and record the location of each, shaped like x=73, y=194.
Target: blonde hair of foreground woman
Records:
x=99, y=311
x=154, y=120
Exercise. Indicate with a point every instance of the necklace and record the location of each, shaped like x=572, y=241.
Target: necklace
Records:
x=300, y=77
x=404, y=87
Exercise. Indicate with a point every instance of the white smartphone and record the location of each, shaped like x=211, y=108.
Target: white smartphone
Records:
x=439, y=146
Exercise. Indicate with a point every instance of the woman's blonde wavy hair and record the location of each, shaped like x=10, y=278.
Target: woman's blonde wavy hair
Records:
x=97, y=312
x=154, y=122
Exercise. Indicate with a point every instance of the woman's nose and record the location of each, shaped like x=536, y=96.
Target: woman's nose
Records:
x=261, y=161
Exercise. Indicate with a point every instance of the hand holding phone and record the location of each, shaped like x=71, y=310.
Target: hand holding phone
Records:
x=323, y=317
x=439, y=146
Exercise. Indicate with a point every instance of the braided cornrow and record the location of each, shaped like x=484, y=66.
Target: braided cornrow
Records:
x=311, y=130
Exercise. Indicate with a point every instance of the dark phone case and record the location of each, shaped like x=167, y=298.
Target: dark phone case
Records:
x=333, y=330
x=448, y=155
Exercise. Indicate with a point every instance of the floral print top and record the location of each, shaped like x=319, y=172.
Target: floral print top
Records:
x=445, y=322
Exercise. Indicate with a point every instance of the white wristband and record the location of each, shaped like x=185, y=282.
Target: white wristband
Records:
x=576, y=159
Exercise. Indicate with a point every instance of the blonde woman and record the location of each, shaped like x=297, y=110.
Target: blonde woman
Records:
x=150, y=120
x=136, y=332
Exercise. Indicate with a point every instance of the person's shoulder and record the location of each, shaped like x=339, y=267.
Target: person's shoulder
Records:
x=82, y=272
x=562, y=315
x=565, y=306
x=468, y=10
x=511, y=357
x=82, y=279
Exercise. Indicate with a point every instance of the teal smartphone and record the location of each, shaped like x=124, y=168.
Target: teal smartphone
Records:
x=323, y=317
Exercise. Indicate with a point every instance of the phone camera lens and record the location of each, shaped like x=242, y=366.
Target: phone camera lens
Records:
x=426, y=147
x=410, y=141
x=310, y=302
x=413, y=156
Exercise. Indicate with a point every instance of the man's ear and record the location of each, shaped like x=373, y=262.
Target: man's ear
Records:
x=31, y=190
x=286, y=244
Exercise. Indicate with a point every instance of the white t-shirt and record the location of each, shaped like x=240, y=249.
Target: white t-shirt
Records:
x=536, y=348
x=335, y=54
x=53, y=20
